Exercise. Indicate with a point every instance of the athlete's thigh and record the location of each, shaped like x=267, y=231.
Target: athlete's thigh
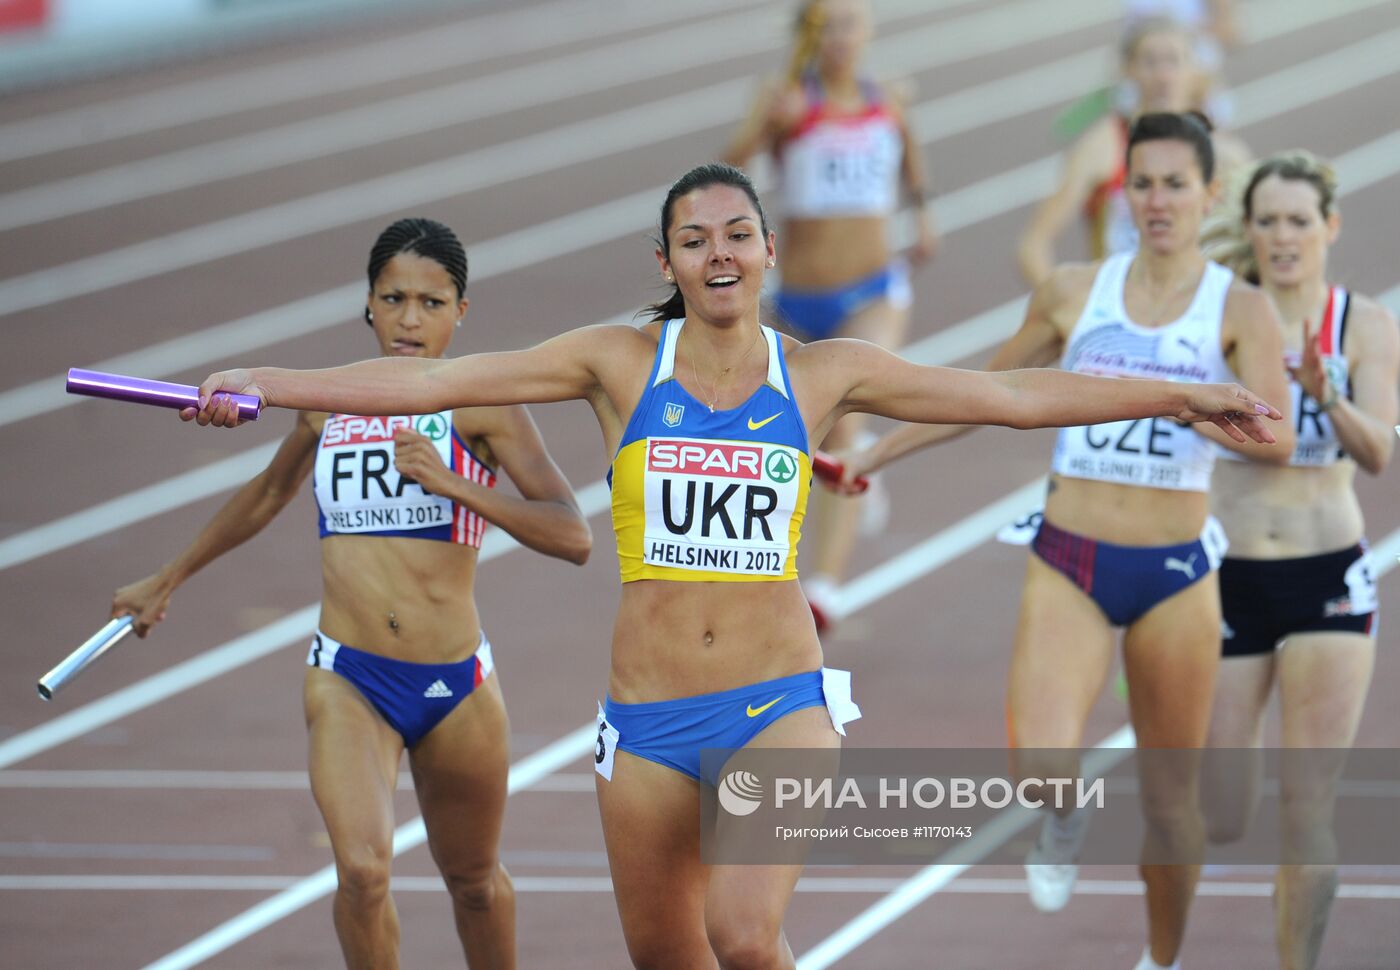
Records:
x=1171, y=655
x=760, y=893
x=460, y=773
x=1242, y=689
x=1232, y=764
x=1059, y=661
x=1323, y=680
x=651, y=825
x=354, y=761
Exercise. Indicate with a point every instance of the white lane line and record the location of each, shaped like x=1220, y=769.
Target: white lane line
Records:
x=135, y=506
x=178, y=491
x=937, y=550
x=936, y=877
x=523, y=774
x=407, y=116
x=986, y=199
x=864, y=590
x=930, y=880
x=201, y=780
x=603, y=884
x=298, y=625
x=486, y=37
x=591, y=139
x=1357, y=169
x=411, y=834
x=630, y=61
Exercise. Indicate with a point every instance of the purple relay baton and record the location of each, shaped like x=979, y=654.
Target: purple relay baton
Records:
x=138, y=390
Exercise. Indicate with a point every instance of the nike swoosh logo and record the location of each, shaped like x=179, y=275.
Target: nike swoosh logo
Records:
x=755, y=425
x=753, y=711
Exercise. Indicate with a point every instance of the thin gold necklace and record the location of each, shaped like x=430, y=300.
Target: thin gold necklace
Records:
x=714, y=398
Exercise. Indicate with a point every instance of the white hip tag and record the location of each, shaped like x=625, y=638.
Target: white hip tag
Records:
x=836, y=687
x=605, y=749
x=1022, y=531
x=1214, y=541
x=1361, y=586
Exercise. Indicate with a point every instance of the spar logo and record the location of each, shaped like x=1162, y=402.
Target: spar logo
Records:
x=432, y=426
x=781, y=467
x=349, y=429
x=740, y=792
x=706, y=458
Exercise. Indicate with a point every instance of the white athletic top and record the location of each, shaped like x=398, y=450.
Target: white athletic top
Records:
x=1147, y=452
x=837, y=165
x=359, y=492
x=1318, y=444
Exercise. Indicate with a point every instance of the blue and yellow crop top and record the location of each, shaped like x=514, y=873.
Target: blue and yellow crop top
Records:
x=711, y=496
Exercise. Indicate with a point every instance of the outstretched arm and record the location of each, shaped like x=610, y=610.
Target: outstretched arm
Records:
x=243, y=516
x=560, y=369
x=1036, y=344
x=1042, y=398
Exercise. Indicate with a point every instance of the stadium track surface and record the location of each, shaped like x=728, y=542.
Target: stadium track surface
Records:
x=929, y=658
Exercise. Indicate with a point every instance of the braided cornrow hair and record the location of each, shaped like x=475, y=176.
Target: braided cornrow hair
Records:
x=423, y=237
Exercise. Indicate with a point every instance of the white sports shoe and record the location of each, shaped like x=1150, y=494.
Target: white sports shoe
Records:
x=1050, y=867
x=1147, y=963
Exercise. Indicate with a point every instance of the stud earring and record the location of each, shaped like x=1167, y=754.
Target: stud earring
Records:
x=772, y=263
x=369, y=315
x=459, y=322
x=669, y=278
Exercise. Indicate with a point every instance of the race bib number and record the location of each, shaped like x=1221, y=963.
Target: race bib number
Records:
x=1361, y=586
x=840, y=167
x=1137, y=452
x=357, y=485
x=1022, y=531
x=605, y=747
x=719, y=506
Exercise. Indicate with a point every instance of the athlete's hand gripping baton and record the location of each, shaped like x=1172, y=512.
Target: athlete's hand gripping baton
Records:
x=831, y=470
x=138, y=390
x=82, y=658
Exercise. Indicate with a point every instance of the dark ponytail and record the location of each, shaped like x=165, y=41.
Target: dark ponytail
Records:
x=700, y=177
x=422, y=237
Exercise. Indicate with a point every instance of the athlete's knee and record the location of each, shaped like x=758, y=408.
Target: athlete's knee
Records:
x=654, y=952
x=477, y=888
x=363, y=877
x=1224, y=827
x=1043, y=772
x=745, y=943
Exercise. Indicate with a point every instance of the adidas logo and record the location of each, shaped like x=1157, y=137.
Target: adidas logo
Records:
x=438, y=689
